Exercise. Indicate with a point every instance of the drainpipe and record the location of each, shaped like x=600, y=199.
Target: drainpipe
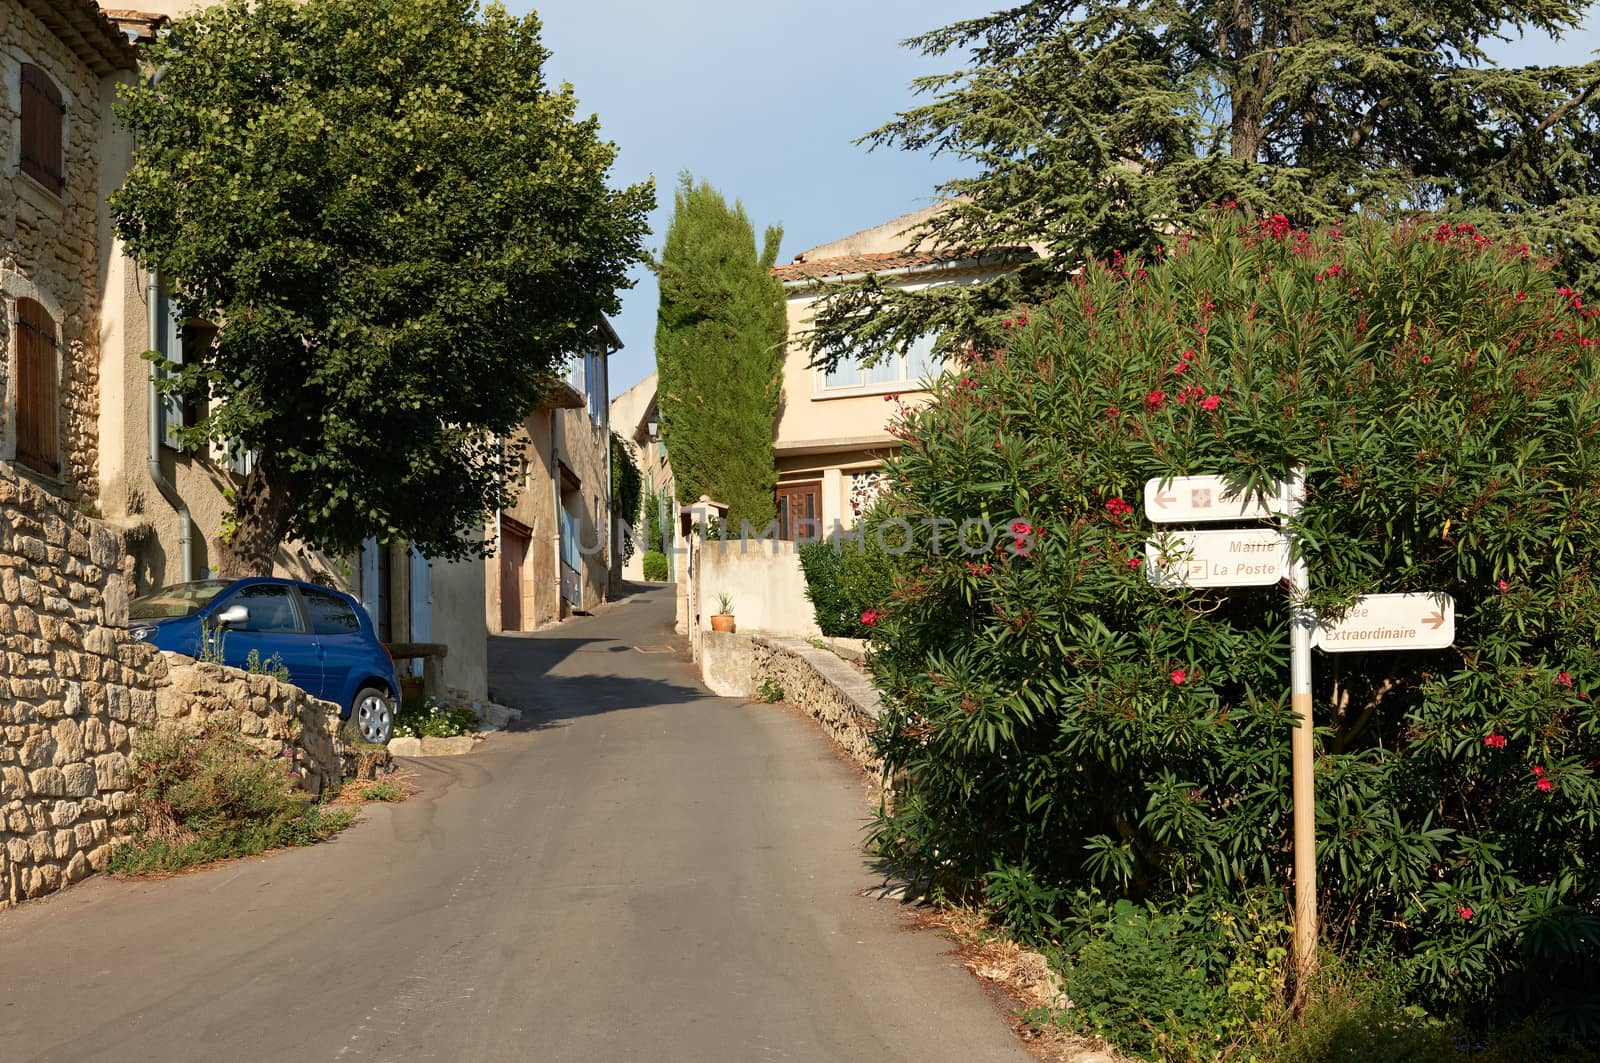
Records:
x=555, y=494
x=168, y=491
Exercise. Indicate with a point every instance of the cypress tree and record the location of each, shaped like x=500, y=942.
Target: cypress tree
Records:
x=720, y=333
x=1105, y=126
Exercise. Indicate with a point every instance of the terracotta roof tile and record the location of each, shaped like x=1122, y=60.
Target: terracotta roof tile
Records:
x=893, y=262
x=83, y=28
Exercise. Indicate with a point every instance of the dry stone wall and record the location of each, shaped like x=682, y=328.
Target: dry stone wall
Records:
x=76, y=689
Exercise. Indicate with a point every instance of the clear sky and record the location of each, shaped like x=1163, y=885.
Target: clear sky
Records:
x=764, y=100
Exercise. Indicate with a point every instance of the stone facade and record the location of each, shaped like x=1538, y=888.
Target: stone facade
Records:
x=75, y=690
x=55, y=241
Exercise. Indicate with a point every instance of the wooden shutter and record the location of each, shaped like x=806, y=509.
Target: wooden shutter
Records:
x=37, y=442
x=43, y=114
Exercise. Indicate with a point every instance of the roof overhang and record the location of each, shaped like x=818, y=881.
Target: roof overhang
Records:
x=89, y=33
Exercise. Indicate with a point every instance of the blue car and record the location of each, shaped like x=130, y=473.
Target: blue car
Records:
x=324, y=638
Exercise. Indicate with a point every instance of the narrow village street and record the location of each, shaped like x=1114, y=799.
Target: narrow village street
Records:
x=645, y=872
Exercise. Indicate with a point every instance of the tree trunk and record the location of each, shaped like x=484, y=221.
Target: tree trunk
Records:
x=262, y=515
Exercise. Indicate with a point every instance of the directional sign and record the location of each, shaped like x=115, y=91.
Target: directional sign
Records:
x=1190, y=499
x=1244, y=557
x=1390, y=622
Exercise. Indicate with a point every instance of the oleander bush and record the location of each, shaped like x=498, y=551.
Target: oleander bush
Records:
x=1072, y=736
x=849, y=578
x=655, y=566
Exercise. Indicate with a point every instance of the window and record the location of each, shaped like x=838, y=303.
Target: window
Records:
x=270, y=609
x=916, y=366
x=37, y=438
x=43, y=114
x=329, y=614
x=180, y=341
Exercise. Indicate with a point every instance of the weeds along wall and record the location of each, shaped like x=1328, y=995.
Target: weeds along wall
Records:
x=75, y=689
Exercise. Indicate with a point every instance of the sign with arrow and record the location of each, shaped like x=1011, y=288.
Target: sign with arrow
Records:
x=1228, y=557
x=1192, y=499
x=1390, y=622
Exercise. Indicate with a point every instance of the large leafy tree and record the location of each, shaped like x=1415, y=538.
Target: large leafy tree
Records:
x=1099, y=127
x=720, y=334
x=402, y=231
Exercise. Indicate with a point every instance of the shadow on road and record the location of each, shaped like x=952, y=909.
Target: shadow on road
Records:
x=625, y=657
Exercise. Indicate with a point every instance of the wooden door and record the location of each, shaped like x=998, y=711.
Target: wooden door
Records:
x=514, y=540
x=800, y=511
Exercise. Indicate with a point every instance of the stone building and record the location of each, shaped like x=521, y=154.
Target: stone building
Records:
x=60, y=63
x=554, y=550
x=635, y=414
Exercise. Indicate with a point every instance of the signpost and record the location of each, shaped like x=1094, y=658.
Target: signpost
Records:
x=1390, y=622
x=1192, y=499
x=1230, y=557
x=1246, y=557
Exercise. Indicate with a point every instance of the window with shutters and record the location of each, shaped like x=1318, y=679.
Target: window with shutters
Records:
x=43, y=116
x=38, y=444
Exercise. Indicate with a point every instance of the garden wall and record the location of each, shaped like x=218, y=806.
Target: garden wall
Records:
x=816, y=681
x=75, y=689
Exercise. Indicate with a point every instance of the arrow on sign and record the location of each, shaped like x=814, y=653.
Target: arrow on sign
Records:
x=1435, y=620
x=1165, y=500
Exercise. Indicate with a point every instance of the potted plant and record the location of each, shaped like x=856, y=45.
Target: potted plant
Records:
x=722, y=620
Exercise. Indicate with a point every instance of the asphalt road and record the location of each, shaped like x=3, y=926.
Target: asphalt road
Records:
x=645, y=873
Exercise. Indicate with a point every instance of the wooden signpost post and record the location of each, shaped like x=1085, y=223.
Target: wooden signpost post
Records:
x=1244, y=557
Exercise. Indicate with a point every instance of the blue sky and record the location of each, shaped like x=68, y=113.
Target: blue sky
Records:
x=764, y=100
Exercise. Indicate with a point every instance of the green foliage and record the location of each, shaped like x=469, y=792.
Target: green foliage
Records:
x=655, y=566
x=851, y=579
x=719, y=351
x=212, y=638
x=1198, y=982
x=1051, y=709
x=725, y=604
x=403, y=233
x=626, y=486
x=430, y=718
x=655, y=528
x=272, y=666
x=770, y=691
x=210, y=795
x=383, y=791
x=1097, y=127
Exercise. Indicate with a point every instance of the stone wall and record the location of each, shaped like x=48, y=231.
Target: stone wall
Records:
x=817, y=681
x=76, y=689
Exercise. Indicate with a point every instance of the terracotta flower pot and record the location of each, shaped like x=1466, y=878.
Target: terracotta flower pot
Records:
x=722, y=622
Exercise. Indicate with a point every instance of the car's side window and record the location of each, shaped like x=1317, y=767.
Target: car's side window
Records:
x=270, y=609
x=329, y=614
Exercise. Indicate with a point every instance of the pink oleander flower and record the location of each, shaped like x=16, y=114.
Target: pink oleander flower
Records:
x=1210, y=403
x=1135, y=562
x=1544, y=785
x=871, y=617
x=1563, y=679
x=1495, y=741
x=1179, y=675
x=1503, y=586
x=1464, y=911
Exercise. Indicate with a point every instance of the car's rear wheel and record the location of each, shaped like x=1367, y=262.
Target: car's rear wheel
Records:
x=373, y=713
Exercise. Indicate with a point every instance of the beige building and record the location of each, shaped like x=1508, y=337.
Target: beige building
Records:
x=635, y=416
x=554, y=549
x=832, y=434
x=78, y=410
